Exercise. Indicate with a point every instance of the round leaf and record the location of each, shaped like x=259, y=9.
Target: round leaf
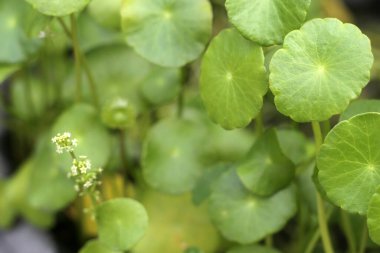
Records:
x=266, y=169
x=233, y=80
x=247, y=218
x=267, y=22
x=170, y=156
x=121, y=223
x=320, y=69
x=174, y=224
x=177, y=30
x=373, y=217
x=360, y=106
x=83, y=122
x=252, y=249
x=349, y=162
x=94, y=246
x=58, y=7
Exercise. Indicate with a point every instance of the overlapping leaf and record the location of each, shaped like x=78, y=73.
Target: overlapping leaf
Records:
x=320, y=69
x=349, y=162
x=233, y=80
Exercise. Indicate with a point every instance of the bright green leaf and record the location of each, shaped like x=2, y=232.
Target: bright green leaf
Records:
x=170, y=157
x=58, y=7
x=121, y=223
x=247, y=218
x=373, y=217
x=266, y=169
x=233, y=80
x=107, y=13
x=320, y=69
x=267, y=22
x=360, y=106
x=349, y=162
x=94, y=246
x=177, y=30
x=252, y=249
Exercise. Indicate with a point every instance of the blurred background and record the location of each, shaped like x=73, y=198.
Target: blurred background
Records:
x=18, y=125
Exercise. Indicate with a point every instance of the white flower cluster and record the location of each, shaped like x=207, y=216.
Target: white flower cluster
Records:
x=64, y=142
x=84, y=176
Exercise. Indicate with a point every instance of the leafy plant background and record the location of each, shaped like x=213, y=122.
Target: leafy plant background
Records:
x=163, y=149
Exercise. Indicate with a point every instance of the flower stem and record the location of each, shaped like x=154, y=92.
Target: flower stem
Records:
x=78, y=68
x=322, y=221
x=349, y=233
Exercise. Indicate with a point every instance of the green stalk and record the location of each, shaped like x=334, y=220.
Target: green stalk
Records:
x=78, y=67
x=349, y=233
x=269, y=241
x=322, y=221
x=363, y=239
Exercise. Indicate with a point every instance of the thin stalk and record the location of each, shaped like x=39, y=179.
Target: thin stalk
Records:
x=28, y=89
x=123, y=150
x=269, y=241
x=86, y=68
x=73, y=156
x=363, y=239
x=316, y=235
x=322, y=221
x=180, y=101
x=349, y=233
x=78, y=67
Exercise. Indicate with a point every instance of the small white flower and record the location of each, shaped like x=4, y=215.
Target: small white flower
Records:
x=87, y=185
x=64, y=142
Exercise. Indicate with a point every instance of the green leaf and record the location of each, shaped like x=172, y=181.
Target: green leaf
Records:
x=7, y=210
x=58, y=7
x=247, y=218
x=266, y=169
x=107, y=13
x=181, y=28
x=233, y=80
x=121, y=223
x=161, y=86
x=320, y=69
x=294, y=145
x=349, y=162
x=175, y=223
x=252, y=249
x=373, y=217
x=83, y=121
x=360, y=106
x=19, y=38
x=267, y=22
x=94, y=246
x=170, y=157
x=202, y=189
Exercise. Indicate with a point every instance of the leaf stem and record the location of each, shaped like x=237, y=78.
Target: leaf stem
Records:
x=363, y=239
x=322, y=221
x=347, y=228
x=78, y=69
x=269, y=241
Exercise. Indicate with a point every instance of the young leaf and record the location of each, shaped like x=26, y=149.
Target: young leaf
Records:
x=360, y=106
x=121, y=223
x=233, y=80
x=349, y=162
x=58, y=7
x=373, y=217
x=95, y=246
x=170, y=157
x=321, y=68
x=267, y=22
x=177, y=30
x=266, y=169
x=247, y=218
x=252, y=249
